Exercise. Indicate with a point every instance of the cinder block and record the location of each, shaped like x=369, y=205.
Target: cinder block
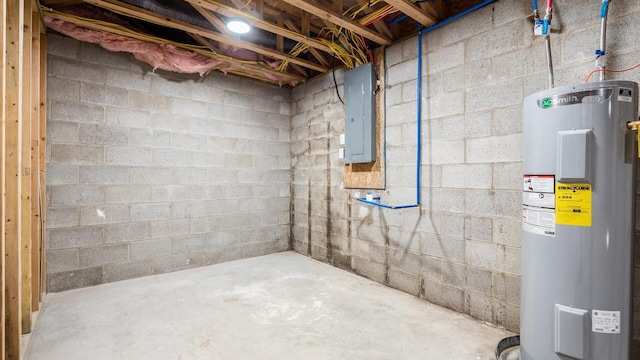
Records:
x=149, y=138
x=172, y=88
x=477, y=124
x=63, y=89
x=76, y=112
x=150, y=175
x=479, y=306
x=445, y=57
x=62, y=132
x=443, y=247
x=142, y=212
x=62, y=46
x=499, y=40
x=172, y=263
x=452, y=225
x=405, y=261
x=169, y=228
x=103, y=214
x=478, y=228
x=406, y=282
x=126, y=270
x=444, y=295
x=478, y=280
x=120, y=155
x=432, y=268
x=126, y=79
x=95, y=54
x=76, y=154
x=402, y=72
x=61, y=174
x=453, y=176
x=508, y=203
x=495, y=149
x=446, y=104
x=127, y=117
x=69, y=195
x=62, y=217
x=100, y=255
x=103, y=134
x=103, y=175
x=128, y=194
x=76, y=70
x=238, y=100
x=454, y=79
x=508, y=176
x=75, y=237
x=190, y=243
x=62, y=260
x=478, y=72
x=103, y=95
x=127, y=232
x=509, y=260
x=190, y=175
x=507, y=231
x=139, y=250
x=143, y=101
x=448, y=200
x=482, y=255
x=454, y=274
x=171, y=157
x=74, y=279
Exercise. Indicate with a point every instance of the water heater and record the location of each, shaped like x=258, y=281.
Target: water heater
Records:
x=577, y=222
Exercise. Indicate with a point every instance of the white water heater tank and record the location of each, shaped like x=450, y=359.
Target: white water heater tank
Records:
x=577, y=222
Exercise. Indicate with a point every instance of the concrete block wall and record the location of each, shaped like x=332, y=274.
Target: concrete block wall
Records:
x=151, y=173
x=461, y=248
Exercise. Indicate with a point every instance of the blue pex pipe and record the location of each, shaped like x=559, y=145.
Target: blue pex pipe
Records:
x=535, y=5
x=604, y=9
x=419, y=102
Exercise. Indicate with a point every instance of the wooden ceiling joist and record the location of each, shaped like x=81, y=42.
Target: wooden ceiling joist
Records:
x=89, y=24
x=212, y=19
x=330, y=15
x=166, y=21
x=260, y=24
x=412, y=11
x=291, y=25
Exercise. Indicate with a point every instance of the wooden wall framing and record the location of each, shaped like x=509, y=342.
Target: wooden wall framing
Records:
x=22, y=78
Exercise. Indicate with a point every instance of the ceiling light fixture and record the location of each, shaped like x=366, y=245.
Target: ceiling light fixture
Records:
x=238, y=26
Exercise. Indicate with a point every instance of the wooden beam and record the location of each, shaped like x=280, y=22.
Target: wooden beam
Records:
x=260, y=24
x=35, y=160
x=379, y=25
x=43, y=159
x=152, y=17
x=3, y=51
x=412, y=11
x=336, y=5
x=212, y=19
x=316, y=54
x=329, y=15
x=279, y=38
x=25, y=167
x=250, y=68
x=13, y=166
x=275, y=13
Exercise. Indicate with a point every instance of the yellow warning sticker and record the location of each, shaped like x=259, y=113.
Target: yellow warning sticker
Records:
x=573, y=204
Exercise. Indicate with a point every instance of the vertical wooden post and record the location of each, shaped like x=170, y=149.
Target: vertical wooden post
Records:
x=3, y=5
x=25, y=165
x=35, y=160
x=14, y=18
x=43, y=157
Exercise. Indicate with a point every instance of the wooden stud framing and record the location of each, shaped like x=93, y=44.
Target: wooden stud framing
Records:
x=3, y=51
x=42, y=158
x=35, y=160
x=13, y=165
x=25, y=179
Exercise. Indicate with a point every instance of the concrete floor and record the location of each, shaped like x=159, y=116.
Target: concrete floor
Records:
x=280, y=306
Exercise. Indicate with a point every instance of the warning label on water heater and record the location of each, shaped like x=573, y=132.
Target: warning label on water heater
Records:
x=573, y=204
x=538, y=204
x=605, y=321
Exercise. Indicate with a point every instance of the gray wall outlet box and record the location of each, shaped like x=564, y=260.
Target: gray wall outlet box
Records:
x=360, y=115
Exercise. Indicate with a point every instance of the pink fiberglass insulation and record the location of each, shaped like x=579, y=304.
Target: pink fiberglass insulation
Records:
x=159, y=56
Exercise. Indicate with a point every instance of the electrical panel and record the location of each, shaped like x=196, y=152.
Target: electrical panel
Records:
x=360, y=114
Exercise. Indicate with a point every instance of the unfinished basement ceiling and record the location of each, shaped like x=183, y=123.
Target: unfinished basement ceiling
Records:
x=291, y=41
